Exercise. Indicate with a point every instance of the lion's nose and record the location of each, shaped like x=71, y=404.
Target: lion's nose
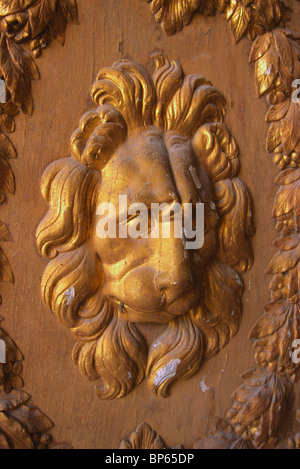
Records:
x=174, y=283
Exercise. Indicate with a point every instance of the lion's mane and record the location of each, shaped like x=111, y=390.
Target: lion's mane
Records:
x=110, y=348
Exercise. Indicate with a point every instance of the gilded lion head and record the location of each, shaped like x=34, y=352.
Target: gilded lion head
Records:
x=158, y=139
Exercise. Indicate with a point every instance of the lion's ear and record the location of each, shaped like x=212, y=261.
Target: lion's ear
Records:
x=98, y=136
x=217, y=151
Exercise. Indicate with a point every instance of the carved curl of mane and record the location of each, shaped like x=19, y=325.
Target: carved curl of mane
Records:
x=109, y=348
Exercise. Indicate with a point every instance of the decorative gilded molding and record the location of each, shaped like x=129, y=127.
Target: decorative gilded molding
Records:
x=145, y=438
x=22, y=425
x=174, y=123
x=261, y=404
x=251, y=17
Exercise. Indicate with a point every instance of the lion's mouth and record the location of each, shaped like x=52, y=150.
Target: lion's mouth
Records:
x=185, y=301
x=167, y=310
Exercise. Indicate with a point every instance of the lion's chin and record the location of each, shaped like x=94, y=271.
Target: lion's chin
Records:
x=182, y=305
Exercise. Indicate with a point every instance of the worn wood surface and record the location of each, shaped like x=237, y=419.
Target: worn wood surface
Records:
x=108, y=31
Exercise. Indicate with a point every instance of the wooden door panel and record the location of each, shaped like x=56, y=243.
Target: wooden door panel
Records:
x=127, y=29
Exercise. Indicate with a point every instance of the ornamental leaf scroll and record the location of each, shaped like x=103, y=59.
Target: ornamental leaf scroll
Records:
x=36, y=23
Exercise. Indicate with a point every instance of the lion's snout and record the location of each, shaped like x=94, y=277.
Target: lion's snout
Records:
x=174, y=283
x=154, y=287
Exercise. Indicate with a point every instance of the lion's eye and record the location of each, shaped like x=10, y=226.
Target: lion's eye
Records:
x=132, y=217
x=143, y=224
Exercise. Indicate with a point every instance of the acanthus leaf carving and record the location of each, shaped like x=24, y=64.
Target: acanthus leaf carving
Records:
x=253, y=17
x=143, y=438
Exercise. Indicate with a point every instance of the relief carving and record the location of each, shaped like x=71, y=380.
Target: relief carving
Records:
x=251, y=17
x=153, y=139
x=36, y=22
